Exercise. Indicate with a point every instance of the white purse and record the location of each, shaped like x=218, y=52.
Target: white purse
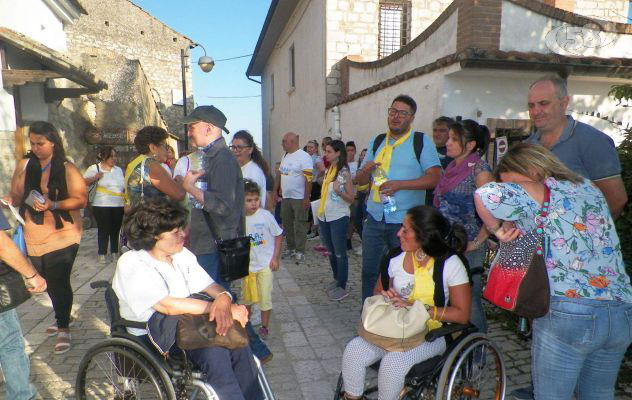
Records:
x=392, y=328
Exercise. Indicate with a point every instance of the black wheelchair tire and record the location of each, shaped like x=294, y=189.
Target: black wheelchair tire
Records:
x=456, y=359
x=156, y=377
x=338, y=393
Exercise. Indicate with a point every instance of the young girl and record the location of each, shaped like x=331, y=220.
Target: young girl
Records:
x=265, y=238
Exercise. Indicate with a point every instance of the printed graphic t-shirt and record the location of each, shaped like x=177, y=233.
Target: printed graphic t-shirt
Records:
x=262, y=228
x=292, y=178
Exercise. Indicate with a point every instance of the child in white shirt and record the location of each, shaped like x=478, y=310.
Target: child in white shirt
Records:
x=265, y=239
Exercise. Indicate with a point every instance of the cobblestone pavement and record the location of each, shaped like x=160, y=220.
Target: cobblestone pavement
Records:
x=307, y=332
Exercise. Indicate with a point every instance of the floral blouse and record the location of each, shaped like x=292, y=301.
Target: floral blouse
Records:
x=583, y=253
x=457, y=205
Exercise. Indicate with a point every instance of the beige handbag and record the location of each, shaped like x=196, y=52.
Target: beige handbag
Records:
x=391, y=328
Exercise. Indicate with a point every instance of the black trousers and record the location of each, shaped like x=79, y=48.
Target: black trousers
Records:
x=55, y=267
x=109, y=221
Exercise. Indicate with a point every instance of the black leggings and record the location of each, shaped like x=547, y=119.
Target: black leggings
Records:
x=55, y=267
x=109, y=221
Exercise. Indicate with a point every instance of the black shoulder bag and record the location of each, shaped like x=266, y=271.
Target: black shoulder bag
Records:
x=234, y=254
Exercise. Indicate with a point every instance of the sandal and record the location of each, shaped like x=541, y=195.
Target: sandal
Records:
x=52, y=330
x=63, y=342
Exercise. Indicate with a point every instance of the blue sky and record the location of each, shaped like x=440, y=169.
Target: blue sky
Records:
x=227, y=29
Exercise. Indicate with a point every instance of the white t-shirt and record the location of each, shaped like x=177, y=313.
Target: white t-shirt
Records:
x=138, y=282
x=335, y=206
x=191, y=161
x=292, y=178
x=111, y=182
x=254, y=172
x=454, y=274
x=353, y=167
x=262, y=229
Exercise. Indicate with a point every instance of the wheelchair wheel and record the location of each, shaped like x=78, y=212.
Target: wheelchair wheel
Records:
x=473, y=369
x=338, y=392
x=117, y=372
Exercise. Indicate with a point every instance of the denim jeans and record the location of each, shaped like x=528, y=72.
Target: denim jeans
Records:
x=210, y=263
x=578, y=346
x=377, y=238
x=13, y=359
x=475, y=260
x=334, y=236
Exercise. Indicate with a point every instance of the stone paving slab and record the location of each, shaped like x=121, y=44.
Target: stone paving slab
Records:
x=308, y=332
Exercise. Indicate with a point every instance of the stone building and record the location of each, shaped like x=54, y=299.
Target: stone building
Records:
x=140, y=59
x=36, y=74
x=332, y=67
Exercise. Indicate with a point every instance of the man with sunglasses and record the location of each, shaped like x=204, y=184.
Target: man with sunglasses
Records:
x=410, y=165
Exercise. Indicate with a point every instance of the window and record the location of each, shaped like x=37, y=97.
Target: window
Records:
x=292, y=80
x=272, y=91
x=394, y=26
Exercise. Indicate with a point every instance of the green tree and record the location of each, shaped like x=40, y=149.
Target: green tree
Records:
x=623, y=94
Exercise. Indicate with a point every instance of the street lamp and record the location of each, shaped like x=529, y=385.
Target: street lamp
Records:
x=206, y=64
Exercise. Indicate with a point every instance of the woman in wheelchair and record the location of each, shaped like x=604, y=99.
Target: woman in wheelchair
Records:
x=159, y=275
x=428, y=241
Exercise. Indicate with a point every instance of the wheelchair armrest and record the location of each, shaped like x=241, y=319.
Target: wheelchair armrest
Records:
x=124, y=323
x=99, y=284
x=446, y=329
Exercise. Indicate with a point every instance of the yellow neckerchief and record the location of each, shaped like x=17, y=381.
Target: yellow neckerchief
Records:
x=103, y=190
x=383, y=157
x=128, y=172
x=424, y=287
x=331, y=172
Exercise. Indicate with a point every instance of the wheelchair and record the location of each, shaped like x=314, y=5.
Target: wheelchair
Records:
x=472, y=367
x=122, y=367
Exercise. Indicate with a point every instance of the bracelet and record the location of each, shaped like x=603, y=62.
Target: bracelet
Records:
x=442, y=314
x=31, y=277
x=434, y=313
x=227, y=293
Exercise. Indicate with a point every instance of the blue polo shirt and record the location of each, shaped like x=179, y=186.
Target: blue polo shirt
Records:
x=585, y=150
x=404, y=166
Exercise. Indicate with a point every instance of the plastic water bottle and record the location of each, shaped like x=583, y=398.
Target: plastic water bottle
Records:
x=201, y=183
x=388, y=202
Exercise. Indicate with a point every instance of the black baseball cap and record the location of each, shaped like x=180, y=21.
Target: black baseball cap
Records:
x=209, y=114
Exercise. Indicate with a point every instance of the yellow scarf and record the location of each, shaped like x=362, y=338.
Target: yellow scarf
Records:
x=128, y=171
x=249, y=288
x=383, y=157
x=424, y=287
x=331, y=172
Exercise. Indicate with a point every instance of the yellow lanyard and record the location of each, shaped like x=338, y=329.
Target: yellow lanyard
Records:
x=331, y=172
x=383, y=157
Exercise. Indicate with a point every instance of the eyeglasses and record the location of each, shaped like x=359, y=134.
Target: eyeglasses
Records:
x=238, y=147
x=402, y=113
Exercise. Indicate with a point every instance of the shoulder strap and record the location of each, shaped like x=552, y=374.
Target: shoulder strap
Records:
x=384, y=263
x=377, y=142
x=437, y=277
x=418, y=144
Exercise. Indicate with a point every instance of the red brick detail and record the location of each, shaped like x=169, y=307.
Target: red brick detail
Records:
x=478, y=24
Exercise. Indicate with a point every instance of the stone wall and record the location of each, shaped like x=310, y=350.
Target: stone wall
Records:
x=611, y=10
x=118, y=27
x=353, y=29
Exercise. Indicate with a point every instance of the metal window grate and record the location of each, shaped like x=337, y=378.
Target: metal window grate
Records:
x=394, y=26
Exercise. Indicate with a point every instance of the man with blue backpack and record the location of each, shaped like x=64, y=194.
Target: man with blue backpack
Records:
x=401, y=165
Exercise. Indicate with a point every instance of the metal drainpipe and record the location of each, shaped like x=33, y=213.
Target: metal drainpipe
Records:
x=337, y=133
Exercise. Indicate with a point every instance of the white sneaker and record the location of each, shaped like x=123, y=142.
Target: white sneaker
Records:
x=101, y=259
x=299, y=257
x=358, y=251
x=287, y=253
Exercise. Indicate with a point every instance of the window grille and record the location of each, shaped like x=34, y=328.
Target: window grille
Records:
x=394, y=26
x=292, y=65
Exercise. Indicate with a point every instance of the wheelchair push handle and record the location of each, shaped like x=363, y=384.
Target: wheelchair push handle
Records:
x=100, y=284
